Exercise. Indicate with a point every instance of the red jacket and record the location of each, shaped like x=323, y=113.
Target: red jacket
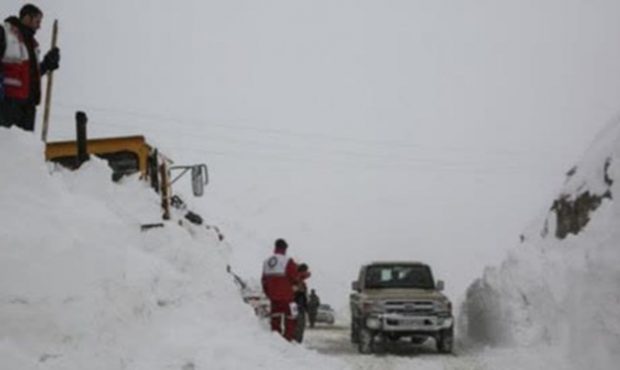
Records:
x=279, y=277
x=20, y=62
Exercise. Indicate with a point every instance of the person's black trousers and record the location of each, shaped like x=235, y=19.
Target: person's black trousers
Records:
x=20, y=114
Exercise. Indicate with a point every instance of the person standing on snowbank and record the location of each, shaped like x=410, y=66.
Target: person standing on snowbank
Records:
x=279, y=277
x=20, y=71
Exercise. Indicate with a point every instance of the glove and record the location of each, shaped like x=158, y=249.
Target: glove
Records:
x=51, y=60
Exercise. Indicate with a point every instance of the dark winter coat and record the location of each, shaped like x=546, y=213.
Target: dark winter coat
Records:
x=301, y=297
x=313, y=303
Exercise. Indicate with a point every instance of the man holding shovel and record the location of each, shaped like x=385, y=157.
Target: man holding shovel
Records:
x=20, y=71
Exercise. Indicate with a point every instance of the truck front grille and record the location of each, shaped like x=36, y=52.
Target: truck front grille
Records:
x=409, y=307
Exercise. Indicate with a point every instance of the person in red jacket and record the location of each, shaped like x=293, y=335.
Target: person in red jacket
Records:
x=279, y=277
x=20, y=70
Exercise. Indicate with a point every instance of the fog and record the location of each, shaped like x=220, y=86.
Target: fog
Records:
x=358, y=130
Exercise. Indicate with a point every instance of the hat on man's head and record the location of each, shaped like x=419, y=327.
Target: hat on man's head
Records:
x=31, y=10
x=281, y=244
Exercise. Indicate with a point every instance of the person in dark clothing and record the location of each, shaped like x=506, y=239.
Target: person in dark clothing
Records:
x=20, y=70
x=313, y=307
x=301, y=299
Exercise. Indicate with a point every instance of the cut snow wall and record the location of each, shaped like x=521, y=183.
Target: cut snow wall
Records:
x=561, y=285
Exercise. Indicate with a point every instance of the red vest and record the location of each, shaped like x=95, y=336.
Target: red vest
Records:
x=16, y=64
x=279, y=276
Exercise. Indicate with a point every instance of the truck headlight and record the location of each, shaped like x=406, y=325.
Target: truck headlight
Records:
x=445, y=322
x=443, y=306
x=372, y=306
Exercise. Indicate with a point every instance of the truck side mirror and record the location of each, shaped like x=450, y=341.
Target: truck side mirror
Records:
x=200, y=177
x=355, y=286
x=440, y=285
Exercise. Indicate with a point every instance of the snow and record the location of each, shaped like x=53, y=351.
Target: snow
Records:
x=81, y=287
x=420, y=123
x=411, y=130
x=561, y=292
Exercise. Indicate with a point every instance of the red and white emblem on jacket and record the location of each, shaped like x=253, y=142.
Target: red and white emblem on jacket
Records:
x=279, y=276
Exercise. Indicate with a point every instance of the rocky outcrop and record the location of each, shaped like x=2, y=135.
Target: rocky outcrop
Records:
x=573, y=213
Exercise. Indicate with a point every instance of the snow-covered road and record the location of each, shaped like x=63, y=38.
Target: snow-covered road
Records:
x=334, y=341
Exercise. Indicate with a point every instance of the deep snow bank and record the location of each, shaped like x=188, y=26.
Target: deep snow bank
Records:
x=82, y=288
x=561, y=286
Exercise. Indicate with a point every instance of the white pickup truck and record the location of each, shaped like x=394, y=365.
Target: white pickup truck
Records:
x=395, y=300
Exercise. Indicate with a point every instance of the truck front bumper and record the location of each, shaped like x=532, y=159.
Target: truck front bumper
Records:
x=406, y=323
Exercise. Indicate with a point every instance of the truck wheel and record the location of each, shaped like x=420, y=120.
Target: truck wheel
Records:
x=366, y=343
x=445, y=341
x=355, y=331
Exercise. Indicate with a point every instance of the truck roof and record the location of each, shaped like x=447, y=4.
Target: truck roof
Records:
x=416, y=263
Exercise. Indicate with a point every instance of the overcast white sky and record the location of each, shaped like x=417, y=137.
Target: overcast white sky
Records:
x=358, y=130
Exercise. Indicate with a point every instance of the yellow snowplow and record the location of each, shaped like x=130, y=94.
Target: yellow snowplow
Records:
x=125, y=155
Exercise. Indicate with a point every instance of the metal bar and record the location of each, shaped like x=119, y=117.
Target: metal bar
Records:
x=185, y=169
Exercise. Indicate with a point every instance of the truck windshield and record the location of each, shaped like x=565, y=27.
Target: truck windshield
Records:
x=399, y=276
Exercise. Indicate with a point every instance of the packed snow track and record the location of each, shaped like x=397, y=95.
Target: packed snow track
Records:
x=334, y=341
